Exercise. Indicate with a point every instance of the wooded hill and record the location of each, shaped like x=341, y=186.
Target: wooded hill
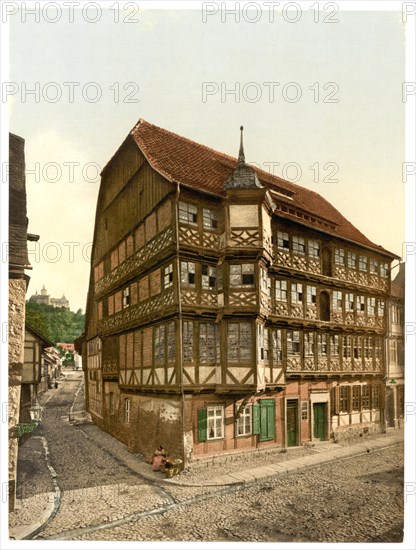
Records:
x=56, y=324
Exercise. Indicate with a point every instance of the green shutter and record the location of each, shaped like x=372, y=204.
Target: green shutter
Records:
x=270, y=419
x=256, y=418
x=202, y=424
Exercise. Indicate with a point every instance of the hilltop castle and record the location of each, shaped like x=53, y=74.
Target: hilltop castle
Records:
x=45, y=298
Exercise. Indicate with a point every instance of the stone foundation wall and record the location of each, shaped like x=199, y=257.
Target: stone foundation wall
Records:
x=16, y=338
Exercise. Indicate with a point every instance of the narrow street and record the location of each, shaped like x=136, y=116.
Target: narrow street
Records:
x=100, y=491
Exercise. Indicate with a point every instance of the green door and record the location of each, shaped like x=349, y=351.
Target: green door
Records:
x=292, y=422
x=267, y=415
x=319, y=421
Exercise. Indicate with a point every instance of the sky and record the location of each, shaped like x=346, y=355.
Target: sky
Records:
x=321, y=104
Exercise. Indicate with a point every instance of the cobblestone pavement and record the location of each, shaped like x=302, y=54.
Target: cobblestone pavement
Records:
x=108, y=493
x=354, y=500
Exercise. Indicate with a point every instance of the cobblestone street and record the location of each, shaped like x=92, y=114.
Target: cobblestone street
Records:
x=97, y=490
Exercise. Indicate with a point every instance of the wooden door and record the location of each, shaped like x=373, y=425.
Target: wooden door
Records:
x=292, y=422
x=319, y=421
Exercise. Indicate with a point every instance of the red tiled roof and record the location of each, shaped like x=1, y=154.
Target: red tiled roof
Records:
x=182, y=160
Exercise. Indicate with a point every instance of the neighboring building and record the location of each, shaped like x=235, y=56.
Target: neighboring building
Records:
x=228, y=309
x=51, y=368
x=32, y=373
x=77, y=361
x=18, y=282
x=395, y=352
x=66, y=347
x=45, y=299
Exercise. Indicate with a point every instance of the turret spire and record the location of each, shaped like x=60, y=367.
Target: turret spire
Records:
x=243, y=176
x=241, y=156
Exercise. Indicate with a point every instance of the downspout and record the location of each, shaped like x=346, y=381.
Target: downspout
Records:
x=179, y=297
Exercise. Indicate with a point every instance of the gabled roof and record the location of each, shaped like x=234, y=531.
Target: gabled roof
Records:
x=181, y=160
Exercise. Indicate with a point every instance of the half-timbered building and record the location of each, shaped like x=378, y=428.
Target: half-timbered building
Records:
x=228, y=309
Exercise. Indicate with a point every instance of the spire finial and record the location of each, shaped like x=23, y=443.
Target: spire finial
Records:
x=241, y=157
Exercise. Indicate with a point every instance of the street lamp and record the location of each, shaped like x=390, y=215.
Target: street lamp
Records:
x=35, y=412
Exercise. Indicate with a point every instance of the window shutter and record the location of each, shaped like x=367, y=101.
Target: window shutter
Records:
x=256, y=418
x=349, y=399
x=202, y=424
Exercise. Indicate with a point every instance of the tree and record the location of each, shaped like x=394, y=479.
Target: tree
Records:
x=56, y=324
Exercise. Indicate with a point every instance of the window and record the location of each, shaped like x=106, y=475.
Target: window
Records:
x=239, y=339
x=188, y=213
x=264, y=280
x=378, y=351
x=362, y=263
x=384, y=270
x=334, y=345
x=260, y=341
x=208, y=335
x=374, y=267
x=311, y=295
x=365, y=396
x=111, y=403
x=282, y=240
x=352, y=260
x=168, y=276
x=293, y=342
x=298, y=244
x=277, y=351
x=346, y=347
x=243, y=424
x=159, y=345
x=356, y=394
x=394, y=314
x=127, y=411
x=371, y=306
x=358, y=351
x=171, y=342
x=242, y=275
x=188, y=274
x=296, y=293
x=126, y=297
x=393, y=352
x=209, y=277
x=308, y=344
x=266, y=344
x=375, y=397
x=380, y=308
x=209, y=219
x=322, y=344
x=339, y=256
x=313, y=249
x=188, y=341
x=349, y=302
x=215, y=421
x=344, y=398
x=281, y=290
x=360, y=300
x=368, y=348
x=304, y=410
x=337, y=300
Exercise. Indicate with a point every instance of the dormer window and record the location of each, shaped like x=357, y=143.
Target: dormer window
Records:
x=188, y=213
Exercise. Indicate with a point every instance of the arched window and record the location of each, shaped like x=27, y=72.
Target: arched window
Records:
x=324, y=309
